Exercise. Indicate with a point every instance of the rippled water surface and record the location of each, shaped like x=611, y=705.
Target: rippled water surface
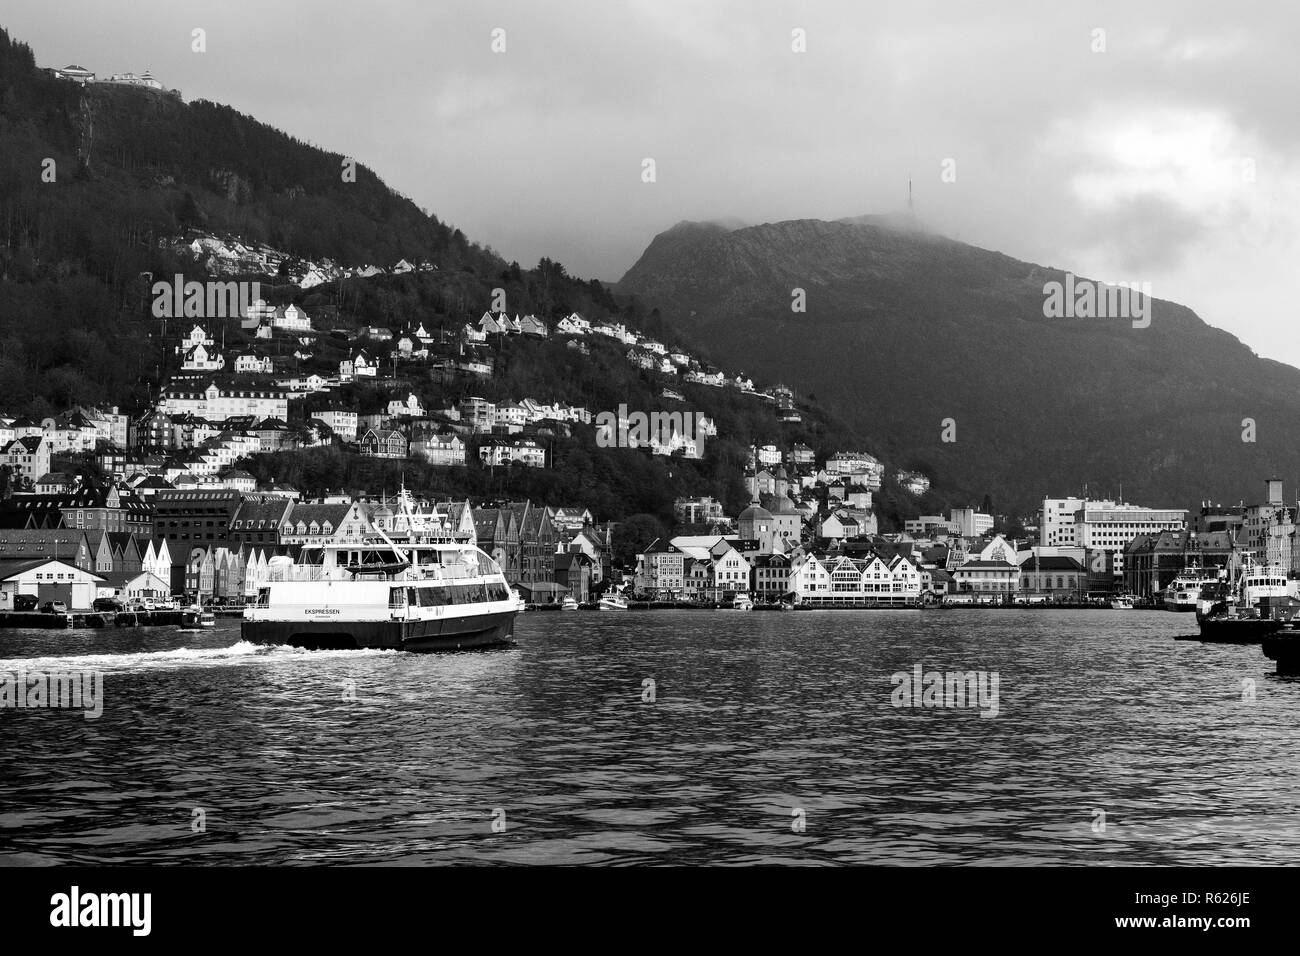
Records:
x=760, y=723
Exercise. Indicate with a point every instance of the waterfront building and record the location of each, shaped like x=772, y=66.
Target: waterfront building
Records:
x=1110, y=526
x=770, y=576
x=1057, y=576
x=661, y=570
x=49, y=579
x=993, y=571
x=1152, y=561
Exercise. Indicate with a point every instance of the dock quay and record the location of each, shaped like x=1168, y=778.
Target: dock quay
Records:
x=87, y=619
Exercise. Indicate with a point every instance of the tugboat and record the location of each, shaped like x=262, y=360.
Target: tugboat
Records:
x=1242, y=610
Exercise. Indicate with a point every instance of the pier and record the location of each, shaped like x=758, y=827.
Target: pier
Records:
x=87, y=619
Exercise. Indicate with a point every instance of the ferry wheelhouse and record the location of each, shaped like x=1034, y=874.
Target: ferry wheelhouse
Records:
x=416, y=589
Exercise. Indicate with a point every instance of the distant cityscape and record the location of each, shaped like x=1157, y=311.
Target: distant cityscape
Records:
x=174, y=513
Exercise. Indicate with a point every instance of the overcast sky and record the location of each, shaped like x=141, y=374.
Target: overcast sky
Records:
x=1169, y=157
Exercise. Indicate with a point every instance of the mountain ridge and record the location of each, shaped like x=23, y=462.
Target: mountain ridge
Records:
x=905, y=329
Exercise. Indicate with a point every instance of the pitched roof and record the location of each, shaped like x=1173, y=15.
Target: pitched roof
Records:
x=307, y=513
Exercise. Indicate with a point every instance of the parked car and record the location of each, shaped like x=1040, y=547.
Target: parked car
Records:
x=107, y=604
x=25, y=602
x=54, y=607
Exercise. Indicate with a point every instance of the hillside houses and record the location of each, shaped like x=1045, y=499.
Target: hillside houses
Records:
x=213, y=400
x=28, y=457
x=360, y=365
x=382, y=443
x=573, y=324
x=249, y=362
x=505, y=451
x=199, y=353
x=444, y=449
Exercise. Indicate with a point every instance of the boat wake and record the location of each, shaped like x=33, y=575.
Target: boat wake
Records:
x=242, y=652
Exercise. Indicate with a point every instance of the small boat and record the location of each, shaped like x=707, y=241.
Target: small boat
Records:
x=1121, y=602
x=742, y=602
x=613, y=602
x=197, y=619
x=569, y=604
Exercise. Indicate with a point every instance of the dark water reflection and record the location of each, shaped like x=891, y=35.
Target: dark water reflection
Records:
x=757, y=717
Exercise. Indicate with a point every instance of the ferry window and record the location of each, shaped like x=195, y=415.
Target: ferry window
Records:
x=397, y=597
x=263, y=597
x=427, y=597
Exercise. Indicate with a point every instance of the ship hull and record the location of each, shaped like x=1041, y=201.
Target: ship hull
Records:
x=1285, y=649
x=1238, y=630
x=441, y=634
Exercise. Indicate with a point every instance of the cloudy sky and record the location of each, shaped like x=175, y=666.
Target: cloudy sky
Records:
x=1152, y=142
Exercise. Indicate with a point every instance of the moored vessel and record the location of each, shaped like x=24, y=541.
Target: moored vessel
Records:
x=197, y=619
x=613, y=601
x=1185, y=589
x=1252, y=604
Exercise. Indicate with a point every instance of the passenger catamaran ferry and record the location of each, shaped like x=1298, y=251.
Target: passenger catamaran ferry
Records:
x=415, y=590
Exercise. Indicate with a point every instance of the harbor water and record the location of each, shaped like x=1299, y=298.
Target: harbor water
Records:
x=669, y=737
